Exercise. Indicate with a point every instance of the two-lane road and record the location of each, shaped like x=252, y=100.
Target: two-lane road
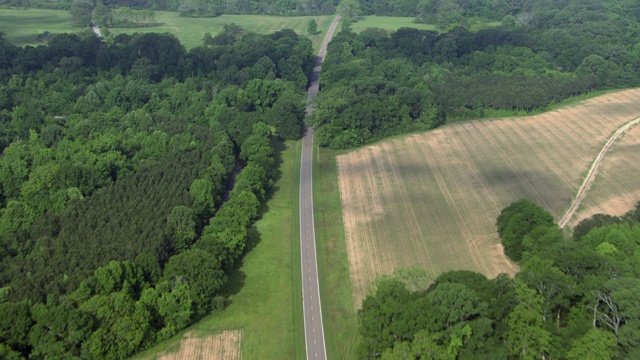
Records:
x=313, y=329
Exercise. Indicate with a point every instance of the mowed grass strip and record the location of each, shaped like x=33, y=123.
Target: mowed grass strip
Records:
x=22, y=27
x=431, y=200
x=340, y=325
x=264, y=293
x=191, y=31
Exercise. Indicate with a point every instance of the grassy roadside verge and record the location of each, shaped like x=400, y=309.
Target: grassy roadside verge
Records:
x=340, y=326
x=265, y=288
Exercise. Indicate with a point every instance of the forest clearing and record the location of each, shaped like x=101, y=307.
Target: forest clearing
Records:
x=26, y=27
x=430, y=200
x=217, y=347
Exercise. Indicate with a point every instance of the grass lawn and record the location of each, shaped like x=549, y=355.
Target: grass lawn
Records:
x=341, y=328
x=191, y=31
x=22, y=27
x=390, y=23
x=265, y=291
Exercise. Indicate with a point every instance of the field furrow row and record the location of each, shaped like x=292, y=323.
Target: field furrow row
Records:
x=431, y=199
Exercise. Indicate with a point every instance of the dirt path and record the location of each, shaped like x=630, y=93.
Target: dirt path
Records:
x=96, y=30
x=586, y=184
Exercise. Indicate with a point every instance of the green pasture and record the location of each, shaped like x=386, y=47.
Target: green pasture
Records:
x=264, y=293
x=23, y=27
x=26, y=27
x=191, y=31
x=340, y=325
x=389, y=23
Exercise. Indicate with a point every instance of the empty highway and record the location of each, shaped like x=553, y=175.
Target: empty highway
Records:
x=313, y=329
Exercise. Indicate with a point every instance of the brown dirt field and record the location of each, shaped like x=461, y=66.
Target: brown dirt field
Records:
x=224, y=346
x=616, y=188
x=431, y=200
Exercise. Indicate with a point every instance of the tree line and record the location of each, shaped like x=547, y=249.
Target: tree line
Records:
x=131, y=174
x=572, y=298
x=191, y=8
x=377, y=83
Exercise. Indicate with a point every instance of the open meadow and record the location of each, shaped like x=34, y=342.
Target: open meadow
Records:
x=389, y=23
x=191, y=31
x=430, y=200
x=27, y=27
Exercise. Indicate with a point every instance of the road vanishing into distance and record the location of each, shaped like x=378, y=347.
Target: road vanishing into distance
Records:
x=313, y=329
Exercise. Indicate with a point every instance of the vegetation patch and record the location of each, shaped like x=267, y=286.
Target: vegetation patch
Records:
x=268, y=272
x=28, y=27
x=430, y=200
x=388, y=23
x=191, y=31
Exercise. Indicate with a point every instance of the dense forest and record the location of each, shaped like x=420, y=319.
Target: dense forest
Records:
x=377, y=84
x=573, y=299
x=131, y=172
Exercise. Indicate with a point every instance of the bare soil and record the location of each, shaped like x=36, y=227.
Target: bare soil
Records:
x=430, y=200
x=224, y=346
x=616, y=188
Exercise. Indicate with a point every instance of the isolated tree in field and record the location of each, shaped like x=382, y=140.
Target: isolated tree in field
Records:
x=449, y=15
x=312, y=27
x=349, y=9
x=81, y=14
x=518, y=220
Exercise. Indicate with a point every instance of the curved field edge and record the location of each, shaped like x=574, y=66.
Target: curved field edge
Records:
x=430, y=200
x=615, y=189
x=264, y=301
x=593, y=172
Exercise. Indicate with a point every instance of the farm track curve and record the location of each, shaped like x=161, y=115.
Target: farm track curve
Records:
x=593, y=171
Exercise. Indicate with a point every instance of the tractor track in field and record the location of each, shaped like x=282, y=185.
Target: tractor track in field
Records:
x=593, y=171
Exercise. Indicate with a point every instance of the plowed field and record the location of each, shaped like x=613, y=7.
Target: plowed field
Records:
x=431, y=199
x=616, y=188
x=224, y=346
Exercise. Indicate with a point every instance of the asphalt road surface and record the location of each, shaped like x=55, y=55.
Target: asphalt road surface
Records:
x=313, y=329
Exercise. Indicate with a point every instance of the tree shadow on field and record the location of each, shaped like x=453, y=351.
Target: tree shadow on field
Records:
x=237, y=277
x=279, y=147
